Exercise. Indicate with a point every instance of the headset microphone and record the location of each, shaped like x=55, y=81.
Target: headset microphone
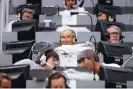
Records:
x=43, y=61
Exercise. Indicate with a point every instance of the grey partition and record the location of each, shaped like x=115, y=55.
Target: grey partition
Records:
x=48, y=36
x=125, y=58
x=101, y=58
x=79, y=84
x=90, y=84
x=125, y=18
x=85, y=36
x=35, y=84
x=12, y=18
x=18, y=2
x=5, y=60
x=128, y=36
x=89, y=3
x=9, y=36
x=123, y=3
x=55, y=18
x=129, y=84
x=52, y=3
x=61, y=3
x=85, y=20
x=81, y=19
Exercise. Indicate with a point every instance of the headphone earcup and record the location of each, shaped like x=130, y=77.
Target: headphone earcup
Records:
x=74, y=40
x=107, y=35
x=43, y=60
x=60, y=39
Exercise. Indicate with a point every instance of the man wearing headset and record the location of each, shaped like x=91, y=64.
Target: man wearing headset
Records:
x=89, y=60
x=25, y=14
x=68, y=37
x=71, y=5
x=57, y=80
x=5, y=81
x=114, y=34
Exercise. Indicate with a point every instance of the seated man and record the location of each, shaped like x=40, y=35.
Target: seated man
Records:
x=90, y=61
x=113, y=34
x=68, y=41
x=71, y=6
x=25, y=14
x=68, y=37
x=46, y=60
x=57, y=80
x=102, y=16
x=5, y=81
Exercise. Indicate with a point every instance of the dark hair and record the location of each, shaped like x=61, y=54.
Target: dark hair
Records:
x=56, y=76
x=27, y=10
x=4, y=76
x=48, y=54
x=103, y=12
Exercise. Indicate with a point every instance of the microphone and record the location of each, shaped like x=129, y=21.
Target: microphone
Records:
x=74, y=13
x=80, y=4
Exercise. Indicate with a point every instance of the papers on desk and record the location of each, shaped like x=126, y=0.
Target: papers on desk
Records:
x=68, y=60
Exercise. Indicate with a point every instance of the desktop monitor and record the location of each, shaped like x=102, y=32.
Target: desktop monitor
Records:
x=19, y=49
x=18, y=73
x=111, y=10
x=116, y=76
x=26, y=29
x=105, y=2
x=113, y=51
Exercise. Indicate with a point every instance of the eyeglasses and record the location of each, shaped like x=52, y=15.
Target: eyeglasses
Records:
x=115, y=34
x=80, y=60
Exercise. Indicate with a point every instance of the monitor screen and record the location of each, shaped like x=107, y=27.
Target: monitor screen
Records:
x=18, y=73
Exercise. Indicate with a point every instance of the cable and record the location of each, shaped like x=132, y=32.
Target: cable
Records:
x=58, y=8
x=93, y=4
x=94, y=41
x=94, y=72
x=49, y=45
x=127, y=61
x=73, y=13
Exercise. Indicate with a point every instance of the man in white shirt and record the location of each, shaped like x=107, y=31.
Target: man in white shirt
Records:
x=25, y=14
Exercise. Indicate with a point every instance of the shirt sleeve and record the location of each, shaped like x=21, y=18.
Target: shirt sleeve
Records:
x=32, y=64
x=9, y=26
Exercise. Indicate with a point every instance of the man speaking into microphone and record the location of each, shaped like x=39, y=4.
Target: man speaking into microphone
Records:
x=73, y=5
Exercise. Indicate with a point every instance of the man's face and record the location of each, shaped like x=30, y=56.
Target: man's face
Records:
x=87, y=64
x=114, y=35
x=70, y=4
x=27, y=16
x=102, y=17
x=58, y=83
x=5, y=83
x=67, y=37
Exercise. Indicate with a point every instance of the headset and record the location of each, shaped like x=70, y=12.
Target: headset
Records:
x=74, y=40
x=107, y=34
x=43, y=61
x=61, y=74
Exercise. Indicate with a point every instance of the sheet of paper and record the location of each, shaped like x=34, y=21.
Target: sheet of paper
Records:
x=68, y=60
